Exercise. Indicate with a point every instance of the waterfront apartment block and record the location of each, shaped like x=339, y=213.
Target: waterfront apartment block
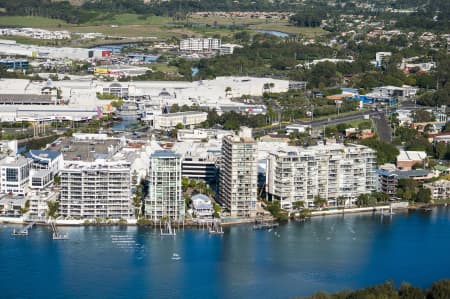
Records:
x=440, y=190
x=196, y=167
x=98, y=189
x=165, y=198
x=239, y=174
x=388, y=179
x=15, y=175
x=328, y=171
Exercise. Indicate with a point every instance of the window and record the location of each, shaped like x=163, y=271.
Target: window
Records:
x=12, y=175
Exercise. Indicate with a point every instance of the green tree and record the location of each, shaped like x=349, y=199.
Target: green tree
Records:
x=340, y=201
x=386, y=152
x=407, y=291
x=137, y=200
x=423, y=116
x=439, y=290
x=227, y=91
x=298, y=205
x=366, y=200
x=26, y=207
x=406, y=189
x=441, y=149
x=57, y=180
x=423, y=195
x=53, y=207
x=320, y=202
x=174, y=108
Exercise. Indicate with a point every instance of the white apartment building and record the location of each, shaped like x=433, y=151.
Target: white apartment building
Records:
x=45, y=159
x=239, y=174
x=329, y=171
x=200, y=44
x=382, y=57
x=440, y=190
x=386, y=92
x=15, y=175
x=228, y=49
x=99, y=189
x=165, y=192
x=171, y=120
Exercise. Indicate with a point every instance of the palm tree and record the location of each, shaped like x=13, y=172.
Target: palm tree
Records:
x=227, y=91
x=319, y=201
x=341, y=202
x=299, y=204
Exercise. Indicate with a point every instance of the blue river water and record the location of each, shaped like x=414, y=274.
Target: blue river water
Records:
x=272, y=32
x=295, y=259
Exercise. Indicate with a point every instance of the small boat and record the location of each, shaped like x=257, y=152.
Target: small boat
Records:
x=176, y=257
x=216, y=229
x=60, y=236
x=265, y=225
x=168, y=231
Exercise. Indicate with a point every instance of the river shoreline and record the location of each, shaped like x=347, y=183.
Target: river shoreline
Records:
x=190, y=224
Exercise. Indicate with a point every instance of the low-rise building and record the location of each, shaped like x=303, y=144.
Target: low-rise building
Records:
x=39, y=203
x=202, y=207
x=388, y=92
x=191, y=135
x=297, y=85
x=14, y=175
x=388, y=179
x=46, y=159
x=407, y=159
x=14, y=64
x=298, y=128
x=171, y=120
x=12, y=205
x=439, y=190
x=381, y=58
x=228, y=49
x=200, y=44
x=40, y=179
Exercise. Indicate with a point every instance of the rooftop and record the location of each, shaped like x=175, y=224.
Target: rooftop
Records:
x=411, y=156
x=87, y=150
x=164, y=154
x=19, y=99
x=42, y=155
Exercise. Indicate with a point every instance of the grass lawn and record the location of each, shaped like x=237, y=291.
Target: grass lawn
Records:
x=34, y=41
x=145, y=31
x=129, y=19
x=163, y=67
x=132, y=25
x=38, y=22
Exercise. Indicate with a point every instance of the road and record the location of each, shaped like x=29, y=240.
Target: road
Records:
x=383, y=129
x=379, y=118
x=342, y=119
